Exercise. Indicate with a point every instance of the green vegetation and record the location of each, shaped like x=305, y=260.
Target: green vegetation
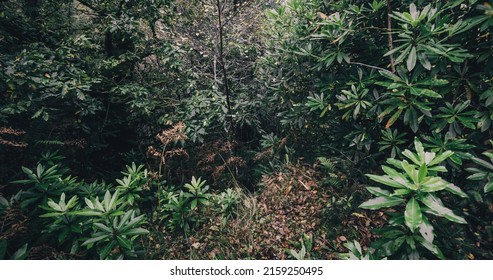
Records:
x=298, y=129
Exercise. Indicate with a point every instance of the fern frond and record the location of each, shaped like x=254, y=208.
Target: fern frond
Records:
x=326, y=163
x=50, y=142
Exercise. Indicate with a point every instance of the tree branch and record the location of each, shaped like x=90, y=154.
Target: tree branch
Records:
x=389, y=30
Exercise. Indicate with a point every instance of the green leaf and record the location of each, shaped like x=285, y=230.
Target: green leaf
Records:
x=423, y=172
x=488, y=187
x=378, y=191
x=381, y=202
x=429, y=93
x=21, y=253
x=54, y=205
x=394, y=118
x=431, y=247
x=3, y=248
x=107, y=249
x=433, y=184
x=411, y=172
x=483, y=163
x=53, y=214
x=436, y=208
x=390, y=75
x=426, y=230
x=95, y=239
x=386, y=180
x=410, y=155
x=441, y=157
x=456, y=190
x=401, y=192
x=136, y=231
x=433, y=82
x=411, y=59
x=103, y=227
x=124, y=242
x=412, y=215
x=397, y=243
x=193, y=204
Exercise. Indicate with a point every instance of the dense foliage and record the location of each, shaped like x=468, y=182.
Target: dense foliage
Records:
x=245, y=129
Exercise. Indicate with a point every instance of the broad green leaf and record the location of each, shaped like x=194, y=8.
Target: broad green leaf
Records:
x=441, y=157
x=477, y=176
x=386, y=180
x=429, y=156
x=423, y=59
x=410, y=171
x=378, y=191
x=397, y=243
x=193, y=204
x=124, y=219
x=107, y=249
x=54, y=205
x=433, y=82
x=53, y=214
x=395, y=163
x=413, y=11
x=488, y=187
x=21, y=253
x=456, y=190
x=429, y=93
x=134, y=221
x=431, y=247
x=113, y=200
x=136, y=231
x=403, y=54
x=394, y=50
x=483, y=163
x=433, y=184
x=87, y=213
x=381, y=202
x=426, y=230
x=124, y=242
x=410, y=155
x=488, y=154
x=423, y=172
x=436, y=208
x=89, y=203
x=401, y=192
x=413, y=215
x=98, y=205
x=103, y=227
x=390, y=75
x=95, y=239
x=411, y=242
x=106, y=201
x=393, y=233
x=419, y=150
x=438, y=168
x=411, y=59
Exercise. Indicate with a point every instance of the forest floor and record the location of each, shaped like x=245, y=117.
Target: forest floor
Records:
x=292, y=211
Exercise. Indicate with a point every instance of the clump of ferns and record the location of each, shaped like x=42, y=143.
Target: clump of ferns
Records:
x=331, y=178
x=168, y=140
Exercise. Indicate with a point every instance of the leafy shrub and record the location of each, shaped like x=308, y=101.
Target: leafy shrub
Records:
x=103, y=218
x=416, y=185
